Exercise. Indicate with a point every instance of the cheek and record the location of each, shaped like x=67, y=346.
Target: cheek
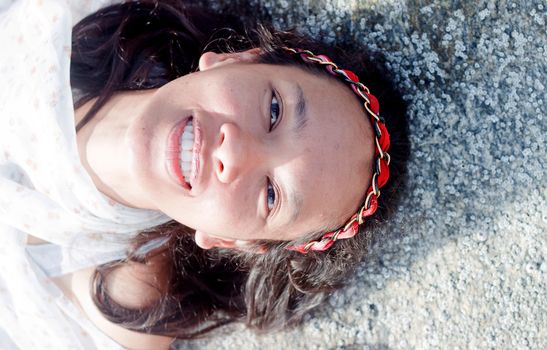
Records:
x=228, y=205
x=222, y=98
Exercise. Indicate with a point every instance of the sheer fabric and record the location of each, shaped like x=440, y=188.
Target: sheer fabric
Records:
x=44, y=189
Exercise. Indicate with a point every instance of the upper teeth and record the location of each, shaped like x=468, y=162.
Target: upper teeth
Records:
x=186, y=150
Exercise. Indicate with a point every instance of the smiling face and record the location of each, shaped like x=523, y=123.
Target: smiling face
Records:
x=275, y=152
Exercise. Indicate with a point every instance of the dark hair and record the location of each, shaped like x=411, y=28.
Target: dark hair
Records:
x=146, y=44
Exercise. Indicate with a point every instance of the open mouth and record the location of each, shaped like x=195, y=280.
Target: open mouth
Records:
x=186, y=157
x=183, y=152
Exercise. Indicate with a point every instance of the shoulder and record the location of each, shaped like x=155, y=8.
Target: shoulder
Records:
x=77, y=286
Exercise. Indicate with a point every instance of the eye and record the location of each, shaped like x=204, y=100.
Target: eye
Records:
x=271, y=196
x=275, y=111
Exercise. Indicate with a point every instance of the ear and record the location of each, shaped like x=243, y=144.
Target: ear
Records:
x=206, y=241
x=210, y=59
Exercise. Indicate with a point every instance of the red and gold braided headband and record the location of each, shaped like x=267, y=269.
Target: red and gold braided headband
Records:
x=381, y=169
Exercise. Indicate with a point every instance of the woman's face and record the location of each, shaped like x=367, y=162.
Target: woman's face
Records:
x=275, y=152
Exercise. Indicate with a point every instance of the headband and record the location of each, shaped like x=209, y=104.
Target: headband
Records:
x=381, y=167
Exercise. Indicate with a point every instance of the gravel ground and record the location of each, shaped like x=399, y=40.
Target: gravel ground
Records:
x=463, y=264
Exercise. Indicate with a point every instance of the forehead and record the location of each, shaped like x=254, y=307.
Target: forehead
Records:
x=331, y=161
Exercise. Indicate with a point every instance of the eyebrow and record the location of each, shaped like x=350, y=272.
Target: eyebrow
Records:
x=300, y=119
x=295, y=200
x=300, y=116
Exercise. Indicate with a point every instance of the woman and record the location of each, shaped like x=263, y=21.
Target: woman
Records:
x=263, y=153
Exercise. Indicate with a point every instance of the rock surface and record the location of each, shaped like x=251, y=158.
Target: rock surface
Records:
x=463, y=264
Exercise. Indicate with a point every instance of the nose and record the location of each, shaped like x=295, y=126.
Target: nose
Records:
x=236, y=153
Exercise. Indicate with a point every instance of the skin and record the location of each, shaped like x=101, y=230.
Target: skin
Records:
x=328, y=162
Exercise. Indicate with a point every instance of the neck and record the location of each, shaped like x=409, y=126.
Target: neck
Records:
x=102, y=148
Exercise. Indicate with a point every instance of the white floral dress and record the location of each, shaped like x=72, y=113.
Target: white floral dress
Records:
x=44, y=189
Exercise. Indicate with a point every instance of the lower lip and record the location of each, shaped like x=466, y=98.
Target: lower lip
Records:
x=173, y=153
